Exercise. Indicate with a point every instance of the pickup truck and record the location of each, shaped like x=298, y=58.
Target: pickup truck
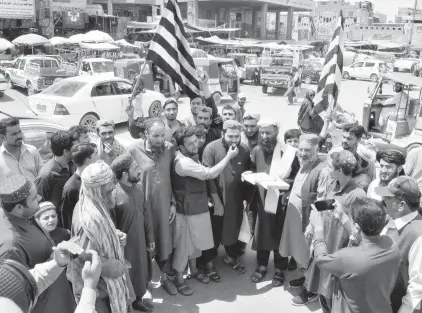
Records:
x=276, y=75
x=36, y=72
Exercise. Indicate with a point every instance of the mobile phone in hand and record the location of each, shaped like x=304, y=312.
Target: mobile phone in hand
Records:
x=324, y=205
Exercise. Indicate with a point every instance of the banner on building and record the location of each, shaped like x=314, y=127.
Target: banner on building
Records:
x=61, y=4
x=74, y=20
x=17, y=9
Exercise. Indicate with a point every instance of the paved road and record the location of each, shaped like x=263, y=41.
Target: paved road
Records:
x=235, y=294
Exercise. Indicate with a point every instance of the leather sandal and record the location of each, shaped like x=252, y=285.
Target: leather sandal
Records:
x=183, y=289
x=258, y=275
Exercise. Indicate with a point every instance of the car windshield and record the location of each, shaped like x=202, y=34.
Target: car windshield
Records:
x=103, y=67
x=64, y=88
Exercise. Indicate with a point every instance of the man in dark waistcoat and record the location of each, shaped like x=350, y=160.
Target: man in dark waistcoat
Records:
x=193, y=231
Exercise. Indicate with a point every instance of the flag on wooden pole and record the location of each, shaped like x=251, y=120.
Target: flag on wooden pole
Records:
x=170, y=50
x=332, y=72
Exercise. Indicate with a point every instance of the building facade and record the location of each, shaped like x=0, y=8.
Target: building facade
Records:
x=251, y=17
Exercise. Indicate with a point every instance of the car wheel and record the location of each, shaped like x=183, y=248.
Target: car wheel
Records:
x=89, y=121
x=346, y=75
x=308, y=80
x=155, y=109
x=374, y=78
x=242, y=80
x=9, y=82
x=30, y=90
x=264, y=89
x=217, y=98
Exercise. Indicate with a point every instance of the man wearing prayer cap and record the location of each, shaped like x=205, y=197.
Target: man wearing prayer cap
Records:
x=391, y=166
x=133, y=218
x=23, y=240
x=93, y=228
x=228, y=192
x=279, y=161
x=155, y=156
x=302, y=195
x=250, y=134
x=240, y=106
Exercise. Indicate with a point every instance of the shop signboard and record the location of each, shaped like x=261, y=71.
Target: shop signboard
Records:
x=300, y=4
x=62, y=4
x=17, y=9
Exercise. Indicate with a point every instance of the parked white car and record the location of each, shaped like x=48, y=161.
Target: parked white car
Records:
x=83, y=100
x=97, y=66
x=406, y=65
x=366, y=69
x=3, y=85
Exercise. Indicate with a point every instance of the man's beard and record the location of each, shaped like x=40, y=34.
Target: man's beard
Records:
x=206, y=127
x=250, y=136
x=157, y=150
x=227, y=145
x=385, y=182
x=268, y=145
x=133, y=179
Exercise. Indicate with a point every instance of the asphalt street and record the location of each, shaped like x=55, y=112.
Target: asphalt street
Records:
x=236, y=293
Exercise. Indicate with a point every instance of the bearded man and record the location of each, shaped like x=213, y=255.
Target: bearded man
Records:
x=203, y=117
x=303, y=193
x=277, y=160
x=155, y=156
x=228, y=192
x=132, y=218
x=250, y=134
x=391, y=166
x=93, y=229
x=171, y=109
x=193, y=223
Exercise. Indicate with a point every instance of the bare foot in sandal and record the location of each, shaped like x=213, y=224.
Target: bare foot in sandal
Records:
x=234, y=265
x=202, y=278
x=259, y=274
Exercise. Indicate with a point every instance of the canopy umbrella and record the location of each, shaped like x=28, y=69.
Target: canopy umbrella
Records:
x=97, y=36
x=5, y=44
x=30, y=40
x=76, y=38
x=55, y=41
x=98, y=46
x=124, y=43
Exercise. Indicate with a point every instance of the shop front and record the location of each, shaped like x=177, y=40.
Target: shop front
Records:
x=17, y=19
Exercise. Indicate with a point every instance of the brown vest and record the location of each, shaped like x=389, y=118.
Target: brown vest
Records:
x=190, y=193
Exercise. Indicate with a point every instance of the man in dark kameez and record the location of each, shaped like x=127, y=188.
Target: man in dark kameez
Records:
x=133, y=218
x=228, y=193
x=23, y=240
x=269, y=226
x=82, y=155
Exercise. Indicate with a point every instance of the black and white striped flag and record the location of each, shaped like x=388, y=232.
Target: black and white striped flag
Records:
x=332, y=72
x=170, y=51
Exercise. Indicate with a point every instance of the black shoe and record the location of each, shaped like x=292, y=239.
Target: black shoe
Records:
x=297, y=283
x=304, y=298
x=292, y=265
x=142, y=306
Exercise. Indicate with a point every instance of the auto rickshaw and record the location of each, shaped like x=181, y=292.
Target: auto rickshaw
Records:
x=403, y=119
x=130, y=69
x=223, y=77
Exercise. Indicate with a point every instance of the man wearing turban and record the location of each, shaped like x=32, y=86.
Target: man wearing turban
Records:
x=391, y=165
x=93, y=229
x=155, y=156
x=228, y=192
x=133, y=218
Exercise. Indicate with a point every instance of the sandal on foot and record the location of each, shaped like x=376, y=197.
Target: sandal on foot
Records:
x=202, y=278
x=184, y=289
x=258, y=275
x=169, y=287
x=235, y=266
x=212, y=275
x=278, y=279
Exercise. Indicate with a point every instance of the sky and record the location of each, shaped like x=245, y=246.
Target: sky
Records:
x=390, y=7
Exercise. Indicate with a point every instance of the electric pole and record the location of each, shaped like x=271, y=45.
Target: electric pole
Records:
x=413, y=21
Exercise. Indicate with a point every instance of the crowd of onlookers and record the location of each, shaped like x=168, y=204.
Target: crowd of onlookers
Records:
x=80, y=231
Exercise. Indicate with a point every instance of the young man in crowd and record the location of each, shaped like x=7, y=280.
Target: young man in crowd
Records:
x=201, y=135
x=193, y=223
x=16, y=157
x=107, y=146
x=266, y=158
x=155, y=156
x=391, y=165
x=55, y=173
x=80, y=134
x=171, y=109
x=203, y=117
x=240, y=106
x=134, y=219
x=402, y=199
x=250, y=134
x=364, y=275
x=228, y=113
x=343, y=188
x=228, y=192
x=82, y=155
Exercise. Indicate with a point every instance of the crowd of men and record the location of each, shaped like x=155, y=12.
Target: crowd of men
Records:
x=80, y=231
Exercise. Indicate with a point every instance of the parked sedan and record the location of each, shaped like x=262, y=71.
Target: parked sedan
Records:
x=84, y=100
x=3, y=85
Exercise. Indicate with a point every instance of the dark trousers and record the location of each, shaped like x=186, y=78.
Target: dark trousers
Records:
x=165, y=265
x=326, y=304
x=280, y=263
